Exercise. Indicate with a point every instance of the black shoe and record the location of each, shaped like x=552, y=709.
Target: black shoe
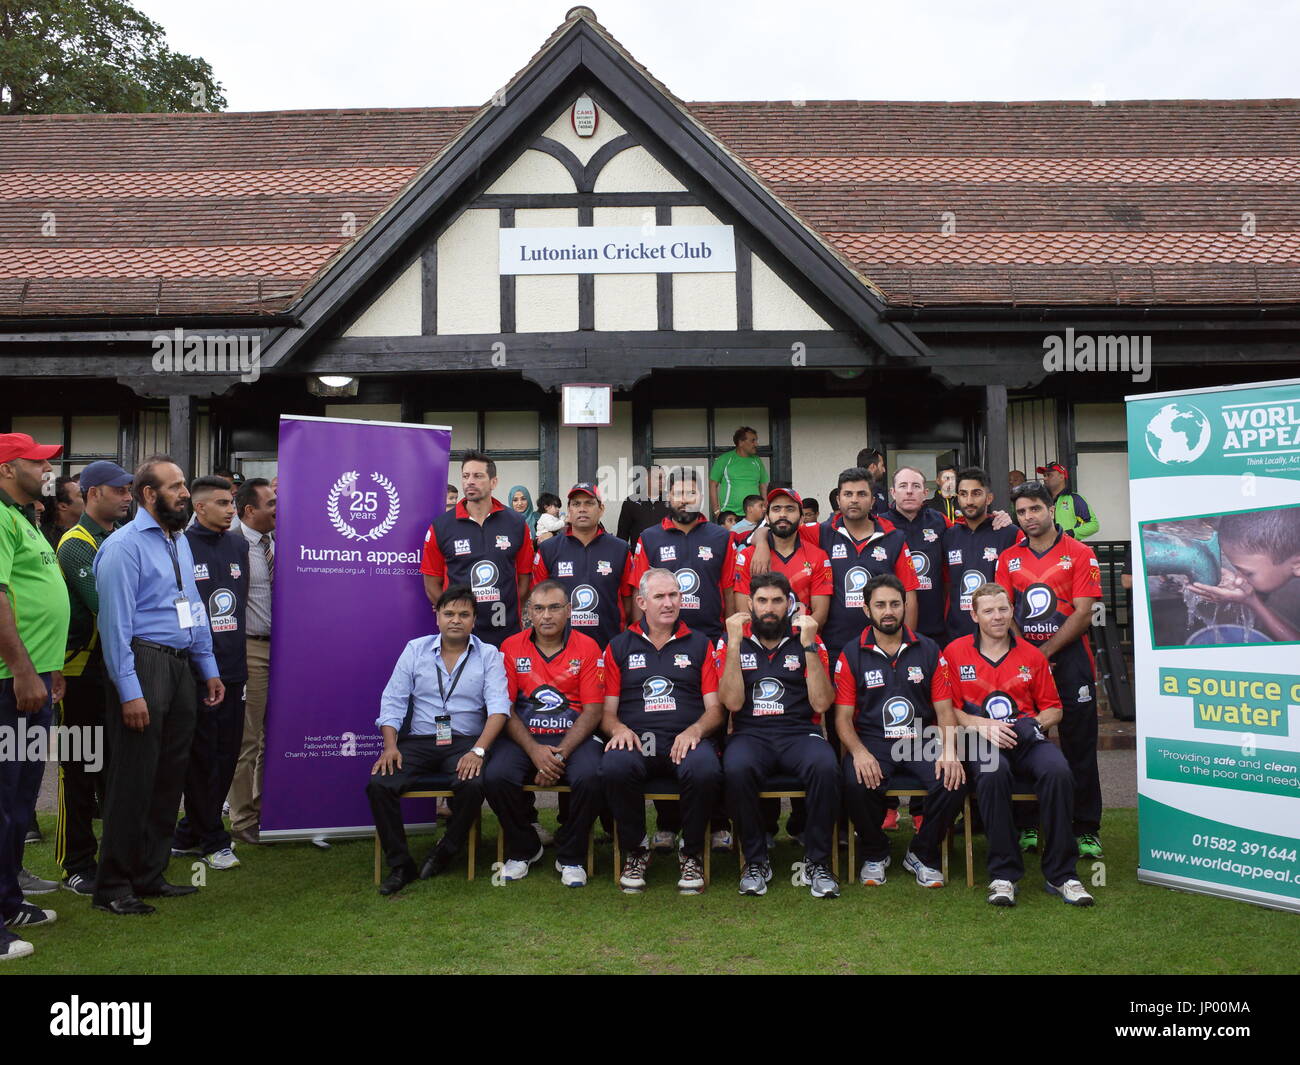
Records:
x=126, y=906
x=439, y=861
x=168, y=891
x=80, y=883
x=397, y=879
x=33, y=836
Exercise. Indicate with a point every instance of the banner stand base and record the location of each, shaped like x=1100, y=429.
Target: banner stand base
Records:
x=306, y=835
x=1200, y=887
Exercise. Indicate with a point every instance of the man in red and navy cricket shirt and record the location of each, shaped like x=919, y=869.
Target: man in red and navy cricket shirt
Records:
x=553, y=675
x=923, y=529
x=661, y=707
x=594, y=567
x=700, y=553
x=484, y=545
x=891, y=684
x=803, y=564
x=1002, y=689
x=859, y=548
x=775, y=683
x=971, y=548
x=1053, y=581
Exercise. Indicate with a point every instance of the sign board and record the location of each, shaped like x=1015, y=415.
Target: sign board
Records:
x=618, y=250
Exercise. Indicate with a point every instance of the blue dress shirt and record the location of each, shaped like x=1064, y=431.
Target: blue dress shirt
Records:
x=136, y=582
x=482, y=686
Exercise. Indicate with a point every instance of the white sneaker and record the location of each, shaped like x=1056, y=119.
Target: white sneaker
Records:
x=517, y=870
x=722, y=840
x=872, y=874
x=571, y=875
x=1002, y=893
x=222, y=859
x=1072, y=893
x=664, y=842
x=925, y=876
x=225, y=809
x=15, y=949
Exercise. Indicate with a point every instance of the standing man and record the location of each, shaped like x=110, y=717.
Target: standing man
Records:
x=776, y=686
x=107, y=489
x=923, y=528
x=804, y=565
x=221, y=573
x=873, y=461
x=661, y=707
x=594, y=568
x=944, y=500
x=441, y=712
x=1002, y=690
x=1073, y=514
x=970, y=550
x=155, y=631
x=640, y=511
x=63, y=511
x=890, y=684
x=737, y=474
x=553, y=678
x=255, y=512
x=484, y=545
x=33, y=635
x=1052, y=581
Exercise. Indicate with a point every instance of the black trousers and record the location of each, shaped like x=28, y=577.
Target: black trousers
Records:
x=509, y=769
x=218, y=735
x=81, y=792
x=20, y=784
x=421, y=755
x=624, y=774
x=867, y=807
x=146, y=776
x=1078, y=732
x=752, y=757
x=1040, y=763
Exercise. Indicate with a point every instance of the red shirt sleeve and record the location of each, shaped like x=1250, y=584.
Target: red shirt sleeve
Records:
x=433, y=564
x=613, y=677
x=822, y=582
x=811, y=534
x=591, y=688
x=1046, y=696
x=627, y=579
x=540, y=571
x=729, y=567
x=905, y=571
x=1087, y=575
x=524, y=557
x=709, y=674
x=512, y=677
x=846, y=691
x=1002, y=576
x=823, y=655
x=940, y=688
x=954, y=678
x=741, y=584
x=639, y=566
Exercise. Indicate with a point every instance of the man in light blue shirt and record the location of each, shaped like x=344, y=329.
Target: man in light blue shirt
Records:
x=441, y=711
x=156, y=642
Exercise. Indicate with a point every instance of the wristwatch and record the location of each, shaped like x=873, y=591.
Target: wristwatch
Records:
x=480, y=751
x=808, y=649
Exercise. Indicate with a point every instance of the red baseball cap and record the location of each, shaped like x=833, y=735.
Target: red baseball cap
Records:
x=22, y=446
x=1053, y=466
x=589, y=488
x=773, y=493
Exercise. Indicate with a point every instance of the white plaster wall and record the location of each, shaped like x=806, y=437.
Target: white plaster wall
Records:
x=546, y=303
x=469, y=292
x=777, y=305
x=395, y=312
x=365, y=412
x=584, y=147
x=636, y=170
x=534, y=171
x=702, y=301
x=625, y=301
x=826, y=435
x=1102, y=478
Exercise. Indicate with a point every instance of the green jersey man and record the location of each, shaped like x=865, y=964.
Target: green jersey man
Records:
x=737, y=474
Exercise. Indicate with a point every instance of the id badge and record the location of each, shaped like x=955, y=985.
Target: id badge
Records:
x=442, y=730
x=184, y=615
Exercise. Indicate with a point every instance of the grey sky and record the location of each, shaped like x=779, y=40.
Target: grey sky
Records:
x=279, y=54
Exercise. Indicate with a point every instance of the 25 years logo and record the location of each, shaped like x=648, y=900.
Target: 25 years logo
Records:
x=362, y=507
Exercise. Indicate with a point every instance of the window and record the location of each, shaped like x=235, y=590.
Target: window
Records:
x=84, y=438
x=512, y=437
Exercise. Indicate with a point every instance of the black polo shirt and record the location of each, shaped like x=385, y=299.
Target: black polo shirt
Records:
x=704, y=562
x=595, y=575
x=892, y=698
x=776, y=686
x=924, y=535
x=660, y=690
x=971, y=559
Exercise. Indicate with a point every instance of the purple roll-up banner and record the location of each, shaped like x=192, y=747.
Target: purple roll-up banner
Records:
x=354, y=502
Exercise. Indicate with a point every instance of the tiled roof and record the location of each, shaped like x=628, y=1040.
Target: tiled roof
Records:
x=1147, y=202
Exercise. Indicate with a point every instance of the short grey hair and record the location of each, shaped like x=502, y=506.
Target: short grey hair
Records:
x=643, y=585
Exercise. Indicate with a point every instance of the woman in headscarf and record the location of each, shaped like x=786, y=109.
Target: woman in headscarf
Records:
x=521, y=501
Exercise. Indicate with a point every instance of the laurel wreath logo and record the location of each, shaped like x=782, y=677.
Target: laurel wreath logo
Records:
x=346, y=485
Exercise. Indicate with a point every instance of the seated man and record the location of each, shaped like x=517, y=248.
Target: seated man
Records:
x=553, y=676
x=889, y=684
x=1002, y=687
x=775, y=684
x=455, y=687
x=661, y=704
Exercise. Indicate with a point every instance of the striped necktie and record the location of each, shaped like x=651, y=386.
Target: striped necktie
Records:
x=269, y=551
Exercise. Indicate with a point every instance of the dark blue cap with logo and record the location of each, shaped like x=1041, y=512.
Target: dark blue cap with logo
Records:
x=104, y=472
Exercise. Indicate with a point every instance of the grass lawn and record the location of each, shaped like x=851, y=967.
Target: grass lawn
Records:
x=292, y=908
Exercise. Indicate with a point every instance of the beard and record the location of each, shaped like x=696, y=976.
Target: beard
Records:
x=887, y=628
x=172, y=518
x=767, y=627
x=784, y=528
x=686, y=513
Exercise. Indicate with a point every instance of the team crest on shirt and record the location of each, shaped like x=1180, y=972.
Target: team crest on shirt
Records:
x=807, y=569
x=636, y=661
x=966, y=672
x=1013, y=564
x=668, y=553
x=503, y=543
x=682, y=661
x=523, y=665
x=990, y=554
x=460, y=547
x=929, y=535
x=1094, y=573
x=748, y=660
x=603, y=567
x=791, y=661
x=200, y=571
x=706, y=553
x=879, y=554
x=916, y=674
x=873, y=678
x=235, y=571
x=1025, y=674
x=575, y=666
x=954, y=558
x=839, y=551
x=1065, y=562
x=564, y=569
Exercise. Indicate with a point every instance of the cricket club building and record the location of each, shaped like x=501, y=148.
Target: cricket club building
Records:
x=934, y=279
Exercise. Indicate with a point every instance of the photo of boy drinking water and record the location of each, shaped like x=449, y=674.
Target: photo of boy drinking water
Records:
x=1261, y=552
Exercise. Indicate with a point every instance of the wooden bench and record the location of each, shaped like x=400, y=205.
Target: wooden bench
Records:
x=557, y=789
x=662, y=789
x=789, y=788
x=966, y=818
x=435, y=793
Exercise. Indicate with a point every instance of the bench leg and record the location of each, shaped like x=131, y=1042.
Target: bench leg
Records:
x=618, y=860
x=591, y=851
x=970, y=851
x=947, y=841
x=378, y=856
x=852, y=871
x=472, y=857
x=501, y=846
x=835, y=849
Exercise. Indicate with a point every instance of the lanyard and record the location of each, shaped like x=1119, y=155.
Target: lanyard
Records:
x=176, y=566
x=455, y=677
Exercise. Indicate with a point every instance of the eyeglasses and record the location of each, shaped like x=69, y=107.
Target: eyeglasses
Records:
x=550, y=608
